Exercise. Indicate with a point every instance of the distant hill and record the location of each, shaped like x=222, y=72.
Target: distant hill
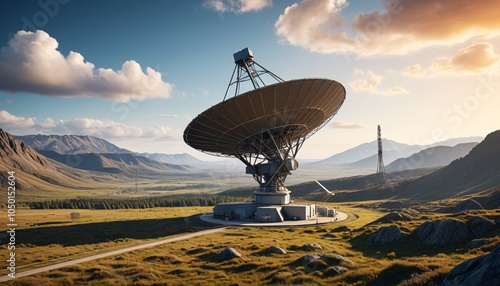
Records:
x=311, y=190
x=455, y=141
x=70, y=144
x=431, y=157
x=33, y=171
x=365, y=155
x=477, y=171
x=127, y=164
x=177, y=159
x=366, y=150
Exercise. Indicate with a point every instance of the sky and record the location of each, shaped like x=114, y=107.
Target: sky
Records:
x=137, y=72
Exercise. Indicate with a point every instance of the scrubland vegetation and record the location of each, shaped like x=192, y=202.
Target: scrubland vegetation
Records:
x=49, y=236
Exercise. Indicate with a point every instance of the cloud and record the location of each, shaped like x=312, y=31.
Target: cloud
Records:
x=167, y=115
x=473, y=59
x=31, y=63
x=369, y=82
x=85, y=126
x=404, y=26
x=415, y=70
x=7, y=119
x=237, y=6
x=476, y=58
x=315, y=25
x=345, y=125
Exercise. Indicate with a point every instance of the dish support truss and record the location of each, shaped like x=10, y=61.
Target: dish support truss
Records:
x=273, y=160
x=246, y=69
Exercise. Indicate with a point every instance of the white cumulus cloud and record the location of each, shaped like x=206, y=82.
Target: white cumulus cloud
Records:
x=9, y=120
x=85, y=126
x=31, y=63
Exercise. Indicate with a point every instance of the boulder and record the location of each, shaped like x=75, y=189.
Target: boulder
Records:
x=478, y=225
x=476, y=243
x=334, y=271
x=310, y=246
x=442, y=232
x=388, y=234
x=391, y=217
x=482, y=270
x=340, y=229
x=275, y=249
x=228, y=254
x=316, y=261
x=330, y=235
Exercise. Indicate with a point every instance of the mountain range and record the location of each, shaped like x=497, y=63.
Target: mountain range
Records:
x=127, y=164
x=35, y=172
x=476, y=172
x=431, y=157
x=77, y=144
x=46, y=173
x=71, y=161
x=360, y=157
x=365, y=155
x=479, y=170
x=70, y=144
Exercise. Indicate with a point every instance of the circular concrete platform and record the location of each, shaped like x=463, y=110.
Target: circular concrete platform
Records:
x=318, y=220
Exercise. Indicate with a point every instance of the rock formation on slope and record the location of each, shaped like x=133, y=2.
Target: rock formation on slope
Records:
x=480, y=271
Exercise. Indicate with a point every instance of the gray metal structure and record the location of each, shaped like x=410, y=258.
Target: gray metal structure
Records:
x=380, y=163
x=265, y=127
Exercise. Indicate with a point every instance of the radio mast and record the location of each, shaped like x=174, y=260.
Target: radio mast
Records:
x=380, y=164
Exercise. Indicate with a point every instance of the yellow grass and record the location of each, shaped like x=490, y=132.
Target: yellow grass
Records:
x=191, y=262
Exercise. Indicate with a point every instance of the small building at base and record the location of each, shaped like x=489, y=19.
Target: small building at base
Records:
x=263, y=212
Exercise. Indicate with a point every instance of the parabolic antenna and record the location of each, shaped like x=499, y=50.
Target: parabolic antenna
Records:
x=265, y=127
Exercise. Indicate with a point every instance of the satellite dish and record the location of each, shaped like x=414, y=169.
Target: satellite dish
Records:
x=266, y=126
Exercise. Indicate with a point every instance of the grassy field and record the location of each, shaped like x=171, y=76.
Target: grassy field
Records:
x=47, y=236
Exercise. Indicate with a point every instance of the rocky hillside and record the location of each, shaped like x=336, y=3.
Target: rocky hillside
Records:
x=476, y=172
x=70, y=144
x=431, y=157
x=33, y=170
x=16, y=155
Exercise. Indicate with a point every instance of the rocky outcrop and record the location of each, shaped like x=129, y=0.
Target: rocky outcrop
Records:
x=334, y=271
x=17, y=156
x=275, y=250
x=479, y=226
x=392, y=217
x=316, y=261
x=340, y=229
x=310, y=246
x=329, y=235
x=482, y=270
x=442, y=232
x=388, y=234
x=228, y=254
x=476, y=243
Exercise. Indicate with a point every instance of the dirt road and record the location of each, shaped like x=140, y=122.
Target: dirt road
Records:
x=111, y=253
